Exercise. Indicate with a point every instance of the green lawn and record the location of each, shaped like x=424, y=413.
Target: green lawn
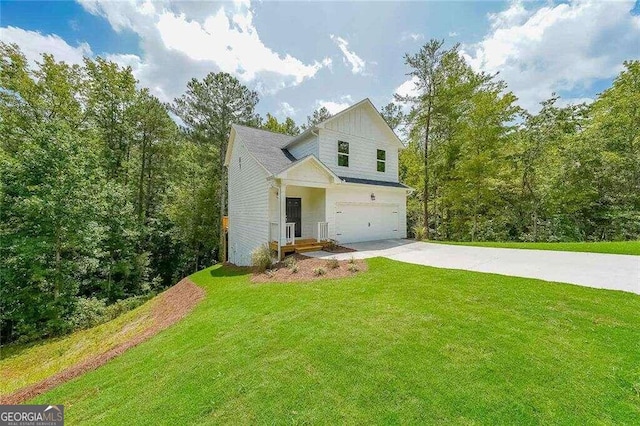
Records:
x=398, y=344
x=610, y=247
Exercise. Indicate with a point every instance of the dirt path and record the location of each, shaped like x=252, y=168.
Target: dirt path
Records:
x=173, y=305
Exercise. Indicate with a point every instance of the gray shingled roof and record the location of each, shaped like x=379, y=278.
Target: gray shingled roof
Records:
x=373, y=182
x=266, y=146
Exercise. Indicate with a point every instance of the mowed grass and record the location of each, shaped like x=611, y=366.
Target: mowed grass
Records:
x=399, y=344
x=23, y=365
x=609, y=247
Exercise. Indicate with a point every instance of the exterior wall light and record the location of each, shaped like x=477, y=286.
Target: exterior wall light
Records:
x=373, y=196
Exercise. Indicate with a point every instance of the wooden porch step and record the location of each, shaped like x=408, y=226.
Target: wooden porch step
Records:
x=309, y=247
x=302, y=245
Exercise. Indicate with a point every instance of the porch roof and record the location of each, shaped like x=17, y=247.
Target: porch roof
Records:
x=309, y=159
x=374, y=182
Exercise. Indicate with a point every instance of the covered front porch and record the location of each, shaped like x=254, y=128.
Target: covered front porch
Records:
x=298, y=219
x=299, y=211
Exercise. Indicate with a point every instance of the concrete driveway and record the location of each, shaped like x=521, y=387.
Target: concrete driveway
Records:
x=609, y=271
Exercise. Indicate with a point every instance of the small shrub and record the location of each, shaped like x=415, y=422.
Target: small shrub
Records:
x=270, y=273
x=353, y=267
x=319, y=271
x=419, y=232
x=294, y=268
x=330, y=245
x=290, y=262
x=352, y=260
x=261, y=258
x=89, y=312
x=333, y=263
x=125, y=305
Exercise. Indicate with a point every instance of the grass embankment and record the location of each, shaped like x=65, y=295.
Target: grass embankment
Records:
x=22, y=365
x=28, y=370
x=400, y=343
x=608, y=247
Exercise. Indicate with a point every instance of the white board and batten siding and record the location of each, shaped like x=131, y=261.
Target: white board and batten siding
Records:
x=312, y=207
x=348, y=208
x=305, y=147
x=365, y=135
x=248, y=205
x=354, y=217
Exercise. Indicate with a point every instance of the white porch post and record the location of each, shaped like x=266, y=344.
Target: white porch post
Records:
x=283, y=217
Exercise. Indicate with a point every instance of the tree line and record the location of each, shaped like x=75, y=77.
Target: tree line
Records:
x=104, y=198
x=486, y=169
x=108, y=195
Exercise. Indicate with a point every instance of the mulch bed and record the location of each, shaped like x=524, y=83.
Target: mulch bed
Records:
x=173, y=305
x=281, y=273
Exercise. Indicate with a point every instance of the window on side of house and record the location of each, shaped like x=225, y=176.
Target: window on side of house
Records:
x=240, y=163
x=382, y=160
x=343, y=154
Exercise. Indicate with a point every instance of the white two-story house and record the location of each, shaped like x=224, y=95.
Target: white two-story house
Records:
x=338, y=181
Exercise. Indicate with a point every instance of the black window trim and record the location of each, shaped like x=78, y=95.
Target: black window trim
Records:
x=343, y=154
x=382, y=161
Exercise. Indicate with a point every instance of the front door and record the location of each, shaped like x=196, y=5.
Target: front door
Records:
x=294, y=214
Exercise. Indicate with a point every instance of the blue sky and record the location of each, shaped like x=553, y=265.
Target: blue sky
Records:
x=302, y=55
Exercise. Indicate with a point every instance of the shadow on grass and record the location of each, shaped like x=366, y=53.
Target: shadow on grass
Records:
x=229, y=270
x=15, y=348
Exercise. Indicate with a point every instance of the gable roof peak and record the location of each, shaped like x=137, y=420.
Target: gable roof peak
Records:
x=363, y=102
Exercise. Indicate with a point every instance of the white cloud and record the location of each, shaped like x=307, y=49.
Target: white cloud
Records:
x=33, y=44
x=234, y=45
x=453, y=34
x=350, y=58
x=557, y=47
x=408, y=88
x=562, y=102
x=286, y=110
x=411, y=36
x=188, y=39
x=335, y=107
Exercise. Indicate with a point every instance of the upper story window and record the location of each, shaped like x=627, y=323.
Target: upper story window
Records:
x=343, y=153
x=382, y=160
x=240, y=163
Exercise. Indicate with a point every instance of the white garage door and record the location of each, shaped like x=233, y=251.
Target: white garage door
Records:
x=366, y=222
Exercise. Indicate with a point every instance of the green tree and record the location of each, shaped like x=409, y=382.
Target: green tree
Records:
x=110, y=96
x=604, y=162
x=426, y=73
x=318, y=116
x=457, y=125
x=539, y=146
x=49, y=176
x=154, y=136
x=83, y=191
x=393, y=115
x=208, y=109
x=288, y=126
x=482, y=175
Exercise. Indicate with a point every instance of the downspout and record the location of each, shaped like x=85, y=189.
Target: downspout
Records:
x=279, y=222
x=278, y=188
